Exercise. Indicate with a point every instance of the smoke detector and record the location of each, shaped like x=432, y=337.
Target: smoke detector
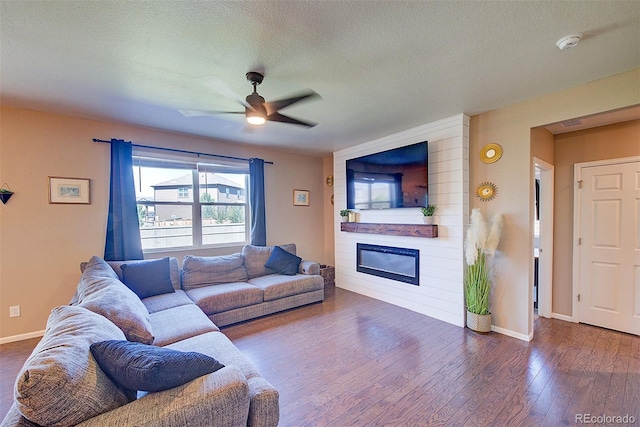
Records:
x=569, y=41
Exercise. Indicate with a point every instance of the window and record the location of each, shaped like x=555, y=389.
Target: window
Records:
x=172, y=217
x=379, y=193
x=183, y=193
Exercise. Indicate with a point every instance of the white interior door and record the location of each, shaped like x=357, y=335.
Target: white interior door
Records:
x=544, y=243
x=609, y=245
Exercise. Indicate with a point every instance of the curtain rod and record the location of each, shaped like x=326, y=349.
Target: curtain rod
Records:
x=174, y=150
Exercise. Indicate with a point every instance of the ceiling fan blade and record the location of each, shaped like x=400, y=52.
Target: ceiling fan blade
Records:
x=277, y=117
x=196, y=113
x=274, y=106
x=223, y=89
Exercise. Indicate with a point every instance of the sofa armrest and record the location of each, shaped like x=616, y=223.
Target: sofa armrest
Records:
x=309, y=267
x=217, y=399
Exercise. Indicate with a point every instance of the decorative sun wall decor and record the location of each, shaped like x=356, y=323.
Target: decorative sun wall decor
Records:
x=486, y=191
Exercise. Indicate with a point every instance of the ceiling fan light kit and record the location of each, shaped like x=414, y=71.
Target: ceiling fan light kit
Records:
x=255, y=119
x=255, y=113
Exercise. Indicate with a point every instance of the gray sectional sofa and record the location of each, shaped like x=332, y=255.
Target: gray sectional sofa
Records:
x=154, y=306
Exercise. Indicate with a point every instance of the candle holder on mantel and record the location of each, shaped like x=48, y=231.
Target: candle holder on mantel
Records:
x=5, y=193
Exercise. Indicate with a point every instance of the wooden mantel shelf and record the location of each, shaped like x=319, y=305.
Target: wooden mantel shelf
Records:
x=413, y=230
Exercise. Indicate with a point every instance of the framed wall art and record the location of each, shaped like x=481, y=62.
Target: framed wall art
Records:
x=300, y=197
x=69, y=190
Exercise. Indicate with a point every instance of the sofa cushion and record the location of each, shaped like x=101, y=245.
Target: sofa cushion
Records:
x=255, y=257
x=60, y=383
x=283, y=262
x=276, y=286
x=104, y=294
x=220, y=347
x=218, y=298
x=178, y=323
x=148, y=278
x=174, y=269
x=264, y=406
x=204, y=271
x=137, y=366
x=166, y=301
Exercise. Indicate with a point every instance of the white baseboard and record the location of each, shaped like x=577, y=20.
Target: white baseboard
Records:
x=14, y=338
x=563, y=317
x=511, y=333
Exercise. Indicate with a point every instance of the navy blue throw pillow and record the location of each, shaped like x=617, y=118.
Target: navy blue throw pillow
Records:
x=137, y=366
x=148, y=278
x=283, y=262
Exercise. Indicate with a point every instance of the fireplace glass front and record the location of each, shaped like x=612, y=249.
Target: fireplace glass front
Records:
x=401, y=264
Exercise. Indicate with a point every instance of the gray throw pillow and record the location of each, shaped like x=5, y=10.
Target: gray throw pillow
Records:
x=137, y=366
x=148, y=278
x=283, y=262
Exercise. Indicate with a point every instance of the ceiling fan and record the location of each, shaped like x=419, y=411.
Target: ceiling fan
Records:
x=257, y=110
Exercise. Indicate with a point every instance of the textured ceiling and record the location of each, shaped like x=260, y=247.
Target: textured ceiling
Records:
x=380, y=66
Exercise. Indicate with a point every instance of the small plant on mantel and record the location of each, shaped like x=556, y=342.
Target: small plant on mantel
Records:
x=428, y=212
x=344, y=213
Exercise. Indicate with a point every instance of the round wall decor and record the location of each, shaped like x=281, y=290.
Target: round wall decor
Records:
x=330, y=180
x=491, y=153
x=486, y=191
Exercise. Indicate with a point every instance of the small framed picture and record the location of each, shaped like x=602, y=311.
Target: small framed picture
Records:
x=69, y=190
x=300, y=197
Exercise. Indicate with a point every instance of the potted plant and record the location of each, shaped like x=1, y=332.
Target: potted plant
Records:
x=428, y=212
x=5, y=194
x=344, y=213
x=480, y=245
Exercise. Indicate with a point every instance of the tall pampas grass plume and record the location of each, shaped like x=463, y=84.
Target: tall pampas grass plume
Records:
x=480, y=244
x=494, y=235
x=481, y=238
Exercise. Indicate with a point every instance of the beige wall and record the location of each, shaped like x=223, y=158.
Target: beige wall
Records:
x=542, y=144
x=41, y=245
x=511, y=300
x=606, y=142
x=329, y=217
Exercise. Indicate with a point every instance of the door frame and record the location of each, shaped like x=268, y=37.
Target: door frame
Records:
x=545, y=260
x=577, y=177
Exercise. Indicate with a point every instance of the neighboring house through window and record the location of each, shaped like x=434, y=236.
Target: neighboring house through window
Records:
x=171, y=217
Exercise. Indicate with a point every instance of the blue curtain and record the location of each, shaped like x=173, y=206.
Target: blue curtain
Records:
x=123, y=232
x=257, y=203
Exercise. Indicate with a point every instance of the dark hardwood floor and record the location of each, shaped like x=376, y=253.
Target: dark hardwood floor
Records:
x=356, y=361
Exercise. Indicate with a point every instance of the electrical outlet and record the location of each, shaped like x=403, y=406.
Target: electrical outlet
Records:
x=14, y=311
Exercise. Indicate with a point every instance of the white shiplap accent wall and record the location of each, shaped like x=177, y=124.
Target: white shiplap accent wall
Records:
x=441, y=259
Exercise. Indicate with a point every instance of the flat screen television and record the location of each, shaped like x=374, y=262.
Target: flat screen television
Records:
x=395, y=178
